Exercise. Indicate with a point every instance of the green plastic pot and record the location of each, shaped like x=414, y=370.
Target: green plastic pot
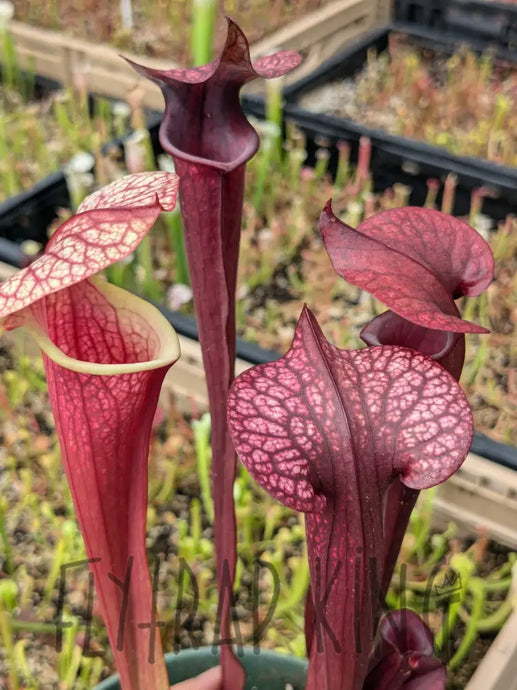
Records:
x=264, y=671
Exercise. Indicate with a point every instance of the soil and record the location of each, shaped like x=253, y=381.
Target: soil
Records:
x=161, y=29
x=457, y=679
x=462, y=103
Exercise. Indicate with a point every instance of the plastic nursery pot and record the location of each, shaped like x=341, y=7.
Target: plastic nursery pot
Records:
x=264, y=671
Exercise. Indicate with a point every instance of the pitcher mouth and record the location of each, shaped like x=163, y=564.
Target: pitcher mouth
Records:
x=168, y=350
x=389, y=328
x=219, y=162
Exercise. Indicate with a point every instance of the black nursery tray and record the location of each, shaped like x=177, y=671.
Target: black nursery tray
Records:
x=27, y=215
x=495, y=22
x=23, y=216
x=396, y=158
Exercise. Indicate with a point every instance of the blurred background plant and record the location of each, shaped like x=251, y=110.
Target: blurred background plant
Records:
x=43, y=128
x=154, y=26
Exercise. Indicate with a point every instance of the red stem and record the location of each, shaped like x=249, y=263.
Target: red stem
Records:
x=211, y=208
x=400, y=501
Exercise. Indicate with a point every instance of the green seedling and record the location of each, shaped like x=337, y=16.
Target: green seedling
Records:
x=195, y=523
x=201, y=429
x=163, y=491
x=478, y=600
x=421, y=522
x=177, y=244
x=36, y=137
x=122, y=272
x=462, y=568
x=8, y=565
x=11, y=75
x=449, y=193
x=202, y=30
x=68, y=662
x=439, y=544
x=90, y=672
x=298, y=586
x=121, y=113
x=8, y=596
x=296, y=158
x=16, y=387
x=322, y=161
x=275, y=114
x=22, y=663
x=473, y=367
x=271, y=135
x=437, y=575
x=73, y=661
x=66, y=551
x=433, y=186
x=343, y=165
x=144, y=270
x=244, y=510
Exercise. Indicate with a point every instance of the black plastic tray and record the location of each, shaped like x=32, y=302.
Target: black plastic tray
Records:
x=395, y=158
x=495, y=22
x=26, y=216
x=427, y=13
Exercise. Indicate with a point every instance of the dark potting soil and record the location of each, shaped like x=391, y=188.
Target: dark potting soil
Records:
x=458, y=678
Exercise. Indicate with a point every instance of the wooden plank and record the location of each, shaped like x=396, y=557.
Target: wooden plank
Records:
x=61, y=57
x=384, y=11
x=320, y=34
x=6, y=271
x=318, y=26
x=481, y=493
